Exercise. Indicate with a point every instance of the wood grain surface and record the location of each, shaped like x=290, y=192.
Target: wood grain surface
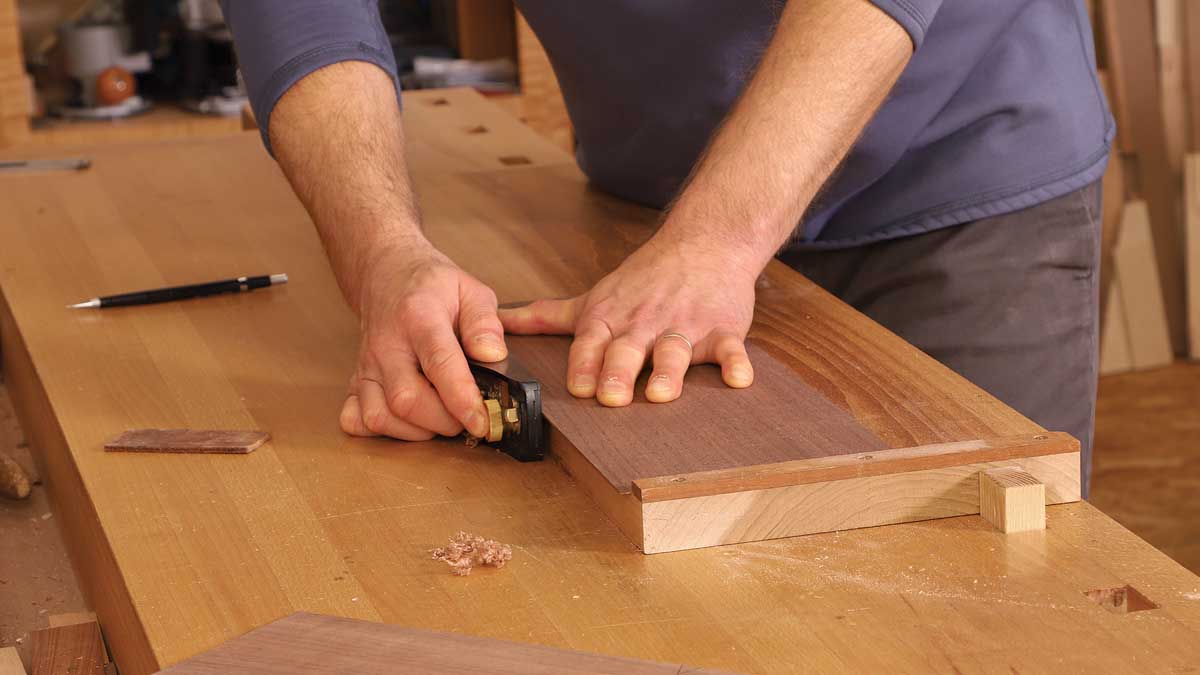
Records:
x=76, y=649
x=1112, y=205
x=557, y=237
x=164, y=122
x=1169, y=37
x=829, y=358
x=1134, y=260
x=710, y=427
x=1191, y=44
x=180, y=553
x=14, y=84
x=483, y=29
x=1012, y=499
x=1146, y=471
x=1116, y=354
x=1128, y=28
x=1191, y=221
x=833, y=506
x=317, y=645
x=10, y=662
x=852, y=465
x=542, y=105
x=216, y=441
x=73, y=618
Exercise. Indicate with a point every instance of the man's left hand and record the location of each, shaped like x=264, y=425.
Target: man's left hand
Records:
x=672, y=302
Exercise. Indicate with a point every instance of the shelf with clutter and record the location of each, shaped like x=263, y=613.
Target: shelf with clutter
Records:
x=76, y=72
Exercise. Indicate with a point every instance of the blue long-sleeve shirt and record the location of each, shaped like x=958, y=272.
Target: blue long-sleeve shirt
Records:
x=999, y=108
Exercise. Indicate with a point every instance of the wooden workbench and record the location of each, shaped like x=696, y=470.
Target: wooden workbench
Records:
x=181, y=553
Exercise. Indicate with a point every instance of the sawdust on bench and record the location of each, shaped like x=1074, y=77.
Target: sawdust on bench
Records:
x=467, y=551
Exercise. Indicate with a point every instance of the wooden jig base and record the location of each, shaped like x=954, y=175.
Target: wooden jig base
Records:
x=674, y=513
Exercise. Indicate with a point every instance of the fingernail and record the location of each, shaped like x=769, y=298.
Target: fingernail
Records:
x=612, y=386
x=611, y=389
x=741, y=374
x=583, y=383
x=489, y=346
x=660, y=384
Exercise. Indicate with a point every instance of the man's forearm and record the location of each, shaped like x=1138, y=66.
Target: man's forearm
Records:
x=826, y=71
x=338, y=137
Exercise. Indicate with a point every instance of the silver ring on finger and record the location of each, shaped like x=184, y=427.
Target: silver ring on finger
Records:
x=680, y=336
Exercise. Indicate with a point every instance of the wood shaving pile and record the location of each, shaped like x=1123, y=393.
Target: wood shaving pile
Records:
x=465, y=551
x=14, y=484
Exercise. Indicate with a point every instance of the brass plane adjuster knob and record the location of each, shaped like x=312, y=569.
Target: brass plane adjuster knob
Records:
x=495, y=420
x=513, y=400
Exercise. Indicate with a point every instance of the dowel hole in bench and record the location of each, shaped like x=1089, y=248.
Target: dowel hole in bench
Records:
x=1121, y=600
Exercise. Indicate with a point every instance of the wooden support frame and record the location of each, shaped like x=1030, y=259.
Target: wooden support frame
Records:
x=673, y=513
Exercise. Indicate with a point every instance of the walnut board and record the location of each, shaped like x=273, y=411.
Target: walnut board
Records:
x=75, y=649
x=178, y=553
x=318, y=645
x=214, y=441
x=710, y=427
x=734, y=465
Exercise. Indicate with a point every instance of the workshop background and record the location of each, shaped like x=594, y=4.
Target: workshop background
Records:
x=86, y=72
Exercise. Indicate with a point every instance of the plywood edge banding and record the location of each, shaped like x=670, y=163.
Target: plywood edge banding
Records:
x=855, y=465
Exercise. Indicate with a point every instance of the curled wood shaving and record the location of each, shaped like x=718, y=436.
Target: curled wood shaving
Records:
x=465, y=551
x=14, y=484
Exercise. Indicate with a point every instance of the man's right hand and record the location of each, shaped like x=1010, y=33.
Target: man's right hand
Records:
x=412, y=381
x=339, y=140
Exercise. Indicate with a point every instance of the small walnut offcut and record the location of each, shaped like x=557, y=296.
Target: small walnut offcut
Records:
x=216, y=441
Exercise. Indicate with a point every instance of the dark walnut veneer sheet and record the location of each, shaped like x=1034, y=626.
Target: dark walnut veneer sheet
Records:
x=712, y=426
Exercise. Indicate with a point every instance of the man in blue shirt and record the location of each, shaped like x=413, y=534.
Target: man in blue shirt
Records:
x=932, y=163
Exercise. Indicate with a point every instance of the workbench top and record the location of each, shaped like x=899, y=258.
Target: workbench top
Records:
x=181, y=553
